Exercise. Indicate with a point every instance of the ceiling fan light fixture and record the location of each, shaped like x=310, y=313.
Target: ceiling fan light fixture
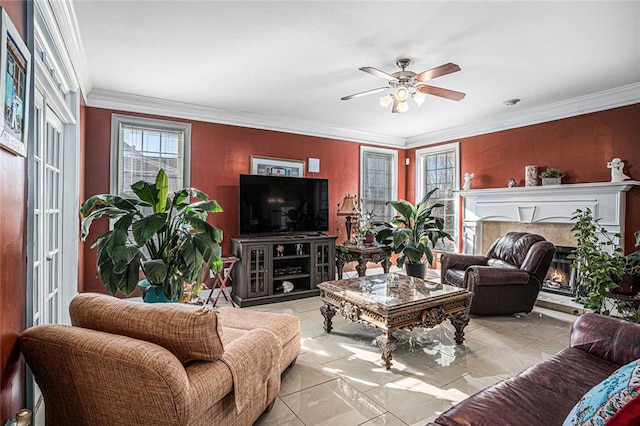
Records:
x=386, y=100
x=419, y=97
x=402, y=93
x=403, y=106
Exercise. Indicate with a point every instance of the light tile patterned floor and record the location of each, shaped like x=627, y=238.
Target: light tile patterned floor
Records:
x=338, y=378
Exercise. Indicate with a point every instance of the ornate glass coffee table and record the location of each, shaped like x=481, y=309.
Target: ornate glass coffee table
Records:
x=391, y=302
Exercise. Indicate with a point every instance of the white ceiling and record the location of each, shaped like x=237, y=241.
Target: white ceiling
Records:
x=285, y=65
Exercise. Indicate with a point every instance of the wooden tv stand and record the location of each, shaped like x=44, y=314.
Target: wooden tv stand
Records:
x=267, y=263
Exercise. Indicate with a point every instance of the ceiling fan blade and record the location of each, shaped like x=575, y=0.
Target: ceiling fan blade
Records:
x=437, y=72
x=443, y=93
x=396, y=104
x=368, y=92
x=378, y=73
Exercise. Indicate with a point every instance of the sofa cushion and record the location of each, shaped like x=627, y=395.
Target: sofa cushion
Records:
x=285, y=326
x=189, y=332
x=524, y=399
x=569, y=365
x=606, y=398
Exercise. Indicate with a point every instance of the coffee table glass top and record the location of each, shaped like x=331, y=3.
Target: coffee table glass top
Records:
x=389, y=289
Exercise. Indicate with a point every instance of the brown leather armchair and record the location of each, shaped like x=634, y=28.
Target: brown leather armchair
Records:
x=505, y=281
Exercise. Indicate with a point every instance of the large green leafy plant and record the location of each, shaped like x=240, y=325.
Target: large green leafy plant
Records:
x=414, y=231
x=161, y=233
x=601, y=265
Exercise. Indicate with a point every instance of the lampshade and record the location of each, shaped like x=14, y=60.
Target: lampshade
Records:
x=419, y=97
x=403, y=106
x=401, y=94
x=348, y=207
x=386, y=100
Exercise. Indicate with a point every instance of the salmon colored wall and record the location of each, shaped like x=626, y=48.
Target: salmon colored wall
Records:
x=13, y=255
x=580, y=146
x=219, y=154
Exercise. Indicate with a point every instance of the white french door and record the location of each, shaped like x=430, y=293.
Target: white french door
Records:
x=47, y=214
x=47, y=217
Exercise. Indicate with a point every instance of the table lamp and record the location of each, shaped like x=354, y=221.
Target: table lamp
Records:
x=349, y=209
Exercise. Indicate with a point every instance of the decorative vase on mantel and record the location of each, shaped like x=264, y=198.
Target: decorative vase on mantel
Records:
x=531, y=175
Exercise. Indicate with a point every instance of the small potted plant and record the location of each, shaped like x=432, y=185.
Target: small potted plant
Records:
x=366, y=228
x=165, y=235
x=552, y=176
x=413, y=232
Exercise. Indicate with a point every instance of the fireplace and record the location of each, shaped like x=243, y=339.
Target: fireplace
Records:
x=561, y=276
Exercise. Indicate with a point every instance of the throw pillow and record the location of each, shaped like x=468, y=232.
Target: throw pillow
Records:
x=190, y=332
x=607, y=398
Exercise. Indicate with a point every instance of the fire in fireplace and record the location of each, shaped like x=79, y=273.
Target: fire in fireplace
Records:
x=560, y=278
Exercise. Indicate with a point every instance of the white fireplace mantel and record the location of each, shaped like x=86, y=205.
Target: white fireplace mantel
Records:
x=543, y=204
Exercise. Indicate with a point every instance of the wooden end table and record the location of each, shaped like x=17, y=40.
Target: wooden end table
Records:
x=362, y=255
x=221, y=281
x=391, y=302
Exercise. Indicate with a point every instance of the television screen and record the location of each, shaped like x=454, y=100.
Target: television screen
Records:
x=276, y=204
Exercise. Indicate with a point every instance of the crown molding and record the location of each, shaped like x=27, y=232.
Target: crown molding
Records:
x=142, y=104
x=63, y=15
x=600, y=101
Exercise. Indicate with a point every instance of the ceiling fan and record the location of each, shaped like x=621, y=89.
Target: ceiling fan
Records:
x=407, y=83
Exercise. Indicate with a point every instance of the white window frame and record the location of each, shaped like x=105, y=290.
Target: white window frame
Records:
x=116, y=144
x=420, y=179
x=394, y=174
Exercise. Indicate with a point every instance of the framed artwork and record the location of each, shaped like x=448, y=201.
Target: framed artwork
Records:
x=15, y=79
x=276, y=167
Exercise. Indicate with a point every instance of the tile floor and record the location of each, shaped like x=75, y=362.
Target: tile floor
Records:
x=338, y=377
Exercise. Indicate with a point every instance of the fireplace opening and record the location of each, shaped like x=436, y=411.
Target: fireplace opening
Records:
x=561, y=277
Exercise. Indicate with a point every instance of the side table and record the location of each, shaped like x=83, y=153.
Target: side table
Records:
x=221, y=281
x=362, y=255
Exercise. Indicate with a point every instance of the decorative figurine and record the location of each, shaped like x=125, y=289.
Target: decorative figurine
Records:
x=299, y=249
x=616, y=165
x=280, y=250
x=511, y=183
x=467, y=181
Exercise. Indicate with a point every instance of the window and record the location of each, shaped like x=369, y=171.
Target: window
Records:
x=438, y=167
x=379, y=180
x=142, y=146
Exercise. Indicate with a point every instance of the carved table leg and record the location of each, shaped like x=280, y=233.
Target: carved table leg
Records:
x=328, y=311
x=387, y=344
x=339, y=266
x=460, y=321
x=361, y=267
x=385, y=265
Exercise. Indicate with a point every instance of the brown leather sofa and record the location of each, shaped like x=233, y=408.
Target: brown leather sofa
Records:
x=128, y=363
x=505, y=281
x=545, y=393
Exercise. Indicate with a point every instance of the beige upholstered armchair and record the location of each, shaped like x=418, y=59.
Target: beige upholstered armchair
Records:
x=127, y=363
x=505, y=281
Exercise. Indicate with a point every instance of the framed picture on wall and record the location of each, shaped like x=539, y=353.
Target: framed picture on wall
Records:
x=15, y=80
x=276, y=167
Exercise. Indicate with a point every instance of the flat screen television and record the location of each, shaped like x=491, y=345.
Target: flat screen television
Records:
x=279, y=205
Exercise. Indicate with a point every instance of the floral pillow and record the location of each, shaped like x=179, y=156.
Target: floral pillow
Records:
x=614, y=396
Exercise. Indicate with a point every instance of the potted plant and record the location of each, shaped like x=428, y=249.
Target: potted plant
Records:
x=413, y=232
x=605, y=274
x=162, y=234
x=366, y=227
x=552, y=176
